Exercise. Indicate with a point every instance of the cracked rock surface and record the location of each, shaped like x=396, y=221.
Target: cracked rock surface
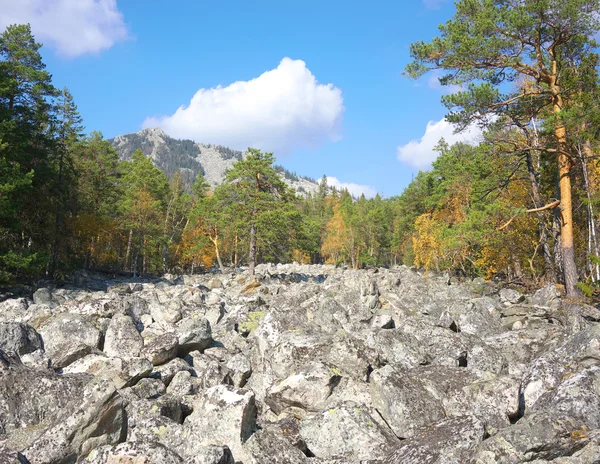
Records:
x=305, y=364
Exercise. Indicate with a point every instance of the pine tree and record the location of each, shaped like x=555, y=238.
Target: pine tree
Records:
x=142, y=205
x=489, y=43
x=68, y=130
x=253, y=190
x=26, y=143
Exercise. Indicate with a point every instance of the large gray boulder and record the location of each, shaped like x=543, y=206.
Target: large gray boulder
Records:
x=161, y=348
x=308, y=389
x=68, y=337
x=223, y=415
x=348, y=432
x=121, y=372
x=31, y=397
x=545, y=372
x=271, y=445
x=19, y=338
x=122, y=338
x=96, y=420
x=541, y=436
x=43, y=296
x=193, y=334
x=138, y=452
x=449, y=441
x=405, y=403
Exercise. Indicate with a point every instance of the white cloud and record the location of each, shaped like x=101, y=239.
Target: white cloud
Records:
x=420, y=153
x=433, y=82
x=355, y=190
x=73, y=27
x=278, y=111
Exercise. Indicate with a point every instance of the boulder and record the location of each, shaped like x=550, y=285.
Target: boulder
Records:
x=138, y=452
x=21, y=407
x=241, y=369
x=193, y=334
x=405, y=403
x=348, y=432
x=19, y=338
x=43, y=296
x=166, y=372
x=68, y=337
x=122, y=338
x=307, y=390
x=223, y=415
x=121, y=372
x=449, y=441
x=160, y=349
x=509, y=296
x=98, y=419
x=270, y=445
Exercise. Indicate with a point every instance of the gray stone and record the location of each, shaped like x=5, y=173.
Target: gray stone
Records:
x=382, y=321
x=510, y=296
x=121, y=372
x=271, y=446
x=193, y=334
x=307, y=390
x=19, y=338
x=97, y=420
x=547, y=296
x=404, y=403
x=68, y=337
x=236, y=412
x=447, y=442
x=21, y=407
x=122, y=339
x=137, y=452
x=183, y=384
x=241, y=369
x=160, y=349
x=166, y=372
x=144, y=389
x=399, y=349
x=347, y=431
x=43, y=296
x=540, y=436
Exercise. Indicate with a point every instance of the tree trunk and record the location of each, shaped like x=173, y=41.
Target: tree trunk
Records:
x=235, y=252
x=566, y=207
x=592, y=238
x=217, y=254
x=252, y=251
x=135, y=263
x=128, y=252
x=58, y=217
x=549, y=273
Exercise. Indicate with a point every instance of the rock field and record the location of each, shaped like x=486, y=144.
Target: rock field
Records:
x=307, y=364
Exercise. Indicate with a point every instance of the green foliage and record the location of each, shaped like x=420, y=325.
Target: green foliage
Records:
x=20, y=267
x=588, y=289
x=68, y=201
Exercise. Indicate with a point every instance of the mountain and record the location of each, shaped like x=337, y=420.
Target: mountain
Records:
x=191, y=158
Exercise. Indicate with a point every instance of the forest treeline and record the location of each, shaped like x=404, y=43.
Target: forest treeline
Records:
x=522, y=204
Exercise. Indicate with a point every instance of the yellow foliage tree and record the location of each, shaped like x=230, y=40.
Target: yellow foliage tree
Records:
x=334, y=243
x=426, y=243
x=194, y=250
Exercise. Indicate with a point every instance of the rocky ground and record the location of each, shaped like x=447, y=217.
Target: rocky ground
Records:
x=309, y=364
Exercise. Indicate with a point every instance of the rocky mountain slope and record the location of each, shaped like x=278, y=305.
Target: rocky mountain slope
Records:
x=190, y=158
x=308, y=364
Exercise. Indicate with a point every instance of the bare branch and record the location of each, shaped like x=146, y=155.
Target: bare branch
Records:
x=552, y=205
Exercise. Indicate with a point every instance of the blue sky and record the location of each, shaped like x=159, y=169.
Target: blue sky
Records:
x=319, y=83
